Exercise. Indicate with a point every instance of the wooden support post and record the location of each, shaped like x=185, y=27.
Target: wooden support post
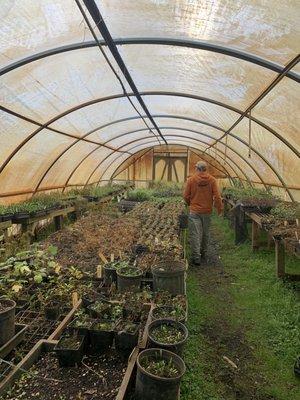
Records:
x=240, y=226
x=58, y=222
x=255, y=236
x=280, y=258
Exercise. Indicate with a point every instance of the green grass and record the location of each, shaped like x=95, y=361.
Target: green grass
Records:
x=267, y=310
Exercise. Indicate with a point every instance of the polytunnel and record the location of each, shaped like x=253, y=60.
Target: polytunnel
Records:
x=87, y=85
x=149, y=200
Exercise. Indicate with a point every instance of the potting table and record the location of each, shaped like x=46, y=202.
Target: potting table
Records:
x=30, y=224
x=256, y=219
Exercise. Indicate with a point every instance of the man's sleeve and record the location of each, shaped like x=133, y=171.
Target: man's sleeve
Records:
x=217, y=197
x=187, y=192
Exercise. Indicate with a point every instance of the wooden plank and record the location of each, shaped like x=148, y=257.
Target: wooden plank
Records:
x=128, y=374
x=143, y=342
x=280, y=258
x=58, y=331
x=255, y=236
x=24, y=364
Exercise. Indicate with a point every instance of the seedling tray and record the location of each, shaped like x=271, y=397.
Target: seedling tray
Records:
x=14, y=341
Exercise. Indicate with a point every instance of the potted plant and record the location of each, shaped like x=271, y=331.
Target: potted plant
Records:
x=7, y=320
x=174, y=312
x=126, y=336
x=101, y=336
x=159, y=373
x=69, y=350
x=169, y=276
x=129, y=279
x=167, y=334
x=110, y=271
x=99, y=309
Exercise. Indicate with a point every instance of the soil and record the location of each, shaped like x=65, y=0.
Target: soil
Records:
x=4, y=305
x=225, y=340
x=98, y=378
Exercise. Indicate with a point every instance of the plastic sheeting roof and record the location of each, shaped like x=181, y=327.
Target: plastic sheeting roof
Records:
x=199, y=66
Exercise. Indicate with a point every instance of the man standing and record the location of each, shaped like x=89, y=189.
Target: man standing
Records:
x=201, y=193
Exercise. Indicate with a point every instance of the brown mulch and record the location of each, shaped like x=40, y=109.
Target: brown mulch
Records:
x=99, y=377
x=79, y=244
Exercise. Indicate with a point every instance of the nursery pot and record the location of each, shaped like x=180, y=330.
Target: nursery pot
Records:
x=127, y=282
x=167, y=314
x=126, y=341
x=183, y=220
x=176, y=347
x=7, y=320
x=100, y=340
x=149, y=386
x=109, y=275
x=52, y=311
x=169, y=276
x=69, y=357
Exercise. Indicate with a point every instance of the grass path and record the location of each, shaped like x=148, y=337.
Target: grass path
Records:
x=238, y=309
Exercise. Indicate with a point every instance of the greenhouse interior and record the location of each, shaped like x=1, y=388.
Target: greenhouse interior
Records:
x=149, y=200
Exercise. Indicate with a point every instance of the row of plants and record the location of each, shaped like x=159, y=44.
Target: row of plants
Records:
x=42, y=204
x=157, y=191
x=251, y=197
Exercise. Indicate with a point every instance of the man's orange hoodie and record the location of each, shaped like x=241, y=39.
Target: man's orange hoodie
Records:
x=201, y=193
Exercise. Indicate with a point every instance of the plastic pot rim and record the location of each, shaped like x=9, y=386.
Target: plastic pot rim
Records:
x=161, y=378
x=161, y=321
x=13, y=305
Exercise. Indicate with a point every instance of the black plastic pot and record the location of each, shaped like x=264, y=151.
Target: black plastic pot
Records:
x=100, y=340
x=69, y=357
x=7, y=321
x=174, y=347
x=169, y=312
x=109, y=274
x=140, y=249
x=98, y=314
x=169, y=276
x=52, y=311
x=183, y=220
x=125, y=341
x=127, y=282
x=149, y=386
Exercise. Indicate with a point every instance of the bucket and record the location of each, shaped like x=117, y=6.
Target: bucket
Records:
x=149, y=386
x=176, y=347
x=7, y=320
x=169, y=276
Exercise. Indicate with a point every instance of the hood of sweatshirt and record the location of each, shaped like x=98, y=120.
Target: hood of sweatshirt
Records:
x=202, y=179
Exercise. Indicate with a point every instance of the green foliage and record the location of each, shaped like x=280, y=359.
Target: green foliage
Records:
x=286, y=211
x=166, y=189
x=139, y=195
x=160, y=367
x=238, y=193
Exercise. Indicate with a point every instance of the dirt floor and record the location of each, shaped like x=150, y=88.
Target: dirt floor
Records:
x=228, y=361
x=238, y=377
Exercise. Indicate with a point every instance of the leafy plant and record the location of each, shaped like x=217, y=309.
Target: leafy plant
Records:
x=158, y=366
x=167, y=334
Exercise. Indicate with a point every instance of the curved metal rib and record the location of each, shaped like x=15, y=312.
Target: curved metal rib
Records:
x=194, y=97
x=181, y=136
x=188, y=43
